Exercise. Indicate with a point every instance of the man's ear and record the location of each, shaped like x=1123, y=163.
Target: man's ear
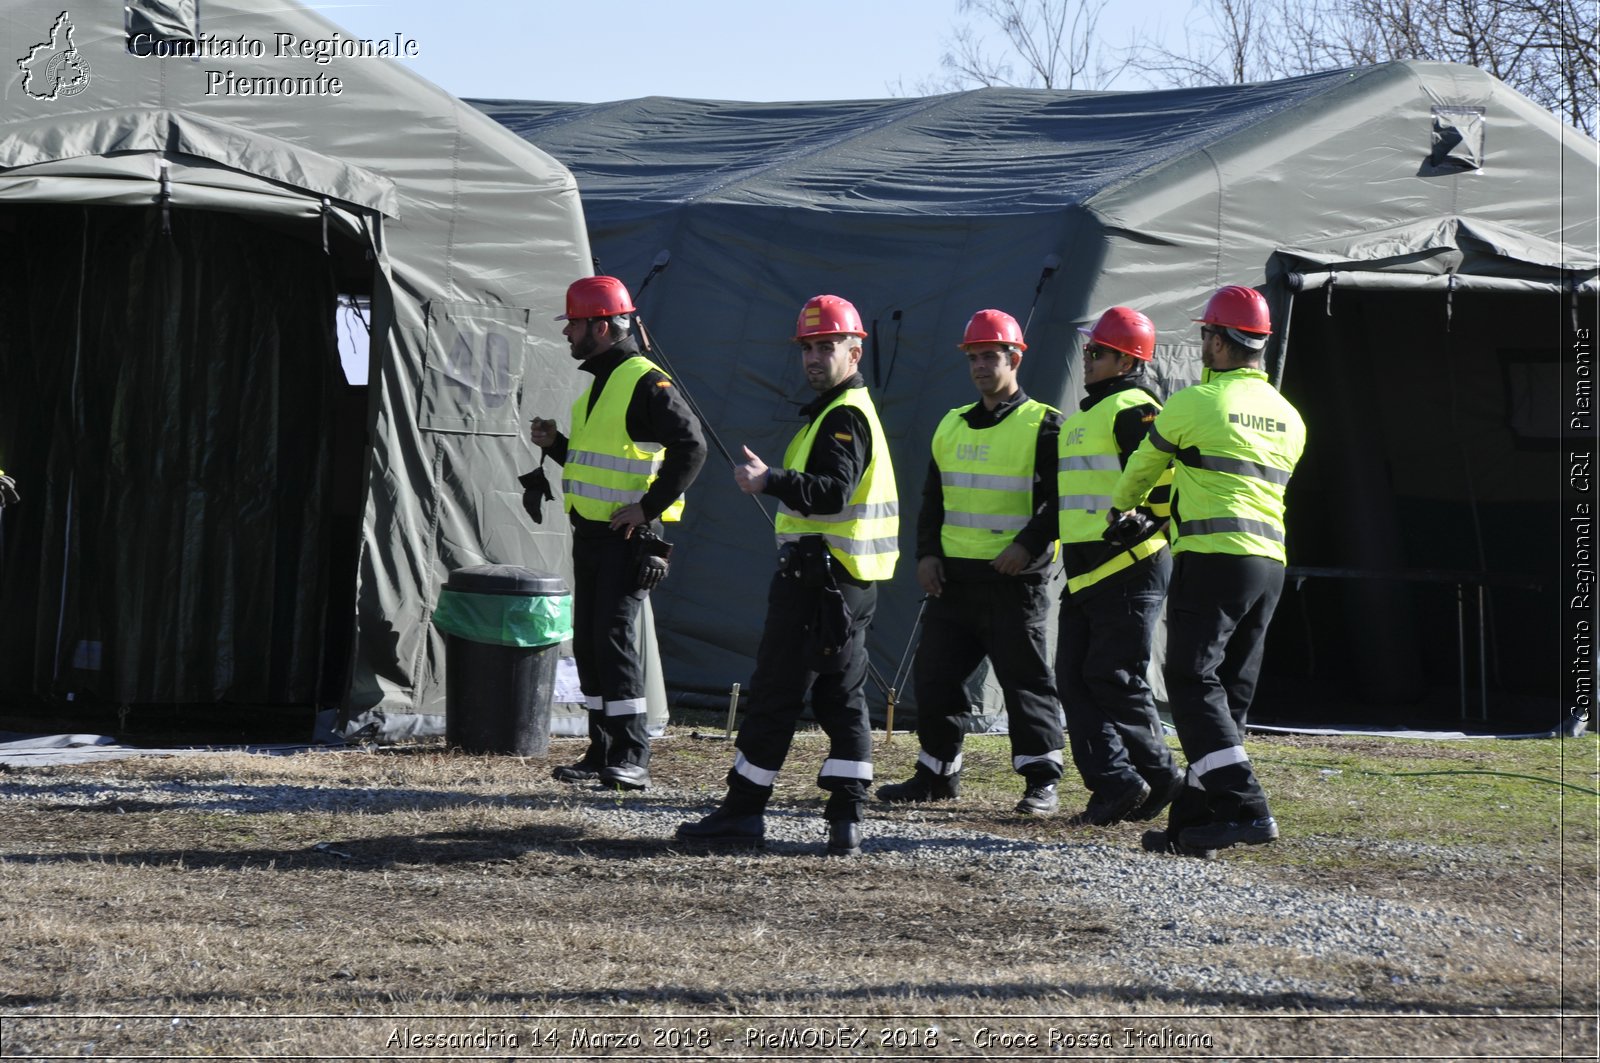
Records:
x=855, y=353
x=1016, y=360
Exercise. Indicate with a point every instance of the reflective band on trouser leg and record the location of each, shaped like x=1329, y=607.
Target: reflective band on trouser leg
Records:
x=747, y=770
x=937, y=766
x=1222, y=758
x=594, y=704
x=627, y=707
x=1052, y=757
x=846, y=769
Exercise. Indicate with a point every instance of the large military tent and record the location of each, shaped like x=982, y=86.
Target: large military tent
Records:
x=213, y=515
x=1424, y=233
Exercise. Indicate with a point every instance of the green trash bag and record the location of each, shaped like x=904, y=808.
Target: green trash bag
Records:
x=505, y=619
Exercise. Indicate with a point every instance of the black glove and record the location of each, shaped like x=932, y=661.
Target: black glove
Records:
x=1128, y=528
x=535, y=493
x=650, y=554
x=8, y=491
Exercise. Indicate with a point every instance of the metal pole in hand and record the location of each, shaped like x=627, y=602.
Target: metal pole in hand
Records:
x=888, y=721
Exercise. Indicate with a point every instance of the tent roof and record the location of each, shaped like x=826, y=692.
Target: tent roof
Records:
x=986, y=151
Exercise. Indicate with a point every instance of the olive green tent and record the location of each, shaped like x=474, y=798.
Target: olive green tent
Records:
x=213, y=514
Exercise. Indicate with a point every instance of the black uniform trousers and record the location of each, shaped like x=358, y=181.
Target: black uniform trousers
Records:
x=1007, y=622
x=1102, y=667
x=783, y=676
x=605, y=645
x=1218, y=610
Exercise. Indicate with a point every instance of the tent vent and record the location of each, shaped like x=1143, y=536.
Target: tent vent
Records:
x=162, y=27
x=1457, y=139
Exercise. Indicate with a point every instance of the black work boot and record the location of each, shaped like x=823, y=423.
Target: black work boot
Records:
x=1221, y=835
x=1163, y=841
x=1162, y=793
x=625, y=777
x=727, y=825
x=844, y=838
x=1039, y=799
x=1112, y=806
x=585, y=770
x=924, y=785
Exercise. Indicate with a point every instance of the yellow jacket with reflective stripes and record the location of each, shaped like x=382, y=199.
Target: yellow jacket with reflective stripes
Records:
x=1233, y=442
x=865, y=535
x=605, y=469
x=986, y=478
x=1090, y=465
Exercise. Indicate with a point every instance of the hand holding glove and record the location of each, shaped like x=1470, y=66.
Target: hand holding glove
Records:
x=535, y=493
x=1127, y=528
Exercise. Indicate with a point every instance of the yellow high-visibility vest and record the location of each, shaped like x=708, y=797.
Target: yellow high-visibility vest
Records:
x=1089, y=467
x=986, y=477
x=1233, y=442
x=605, y=468
x=865, y=535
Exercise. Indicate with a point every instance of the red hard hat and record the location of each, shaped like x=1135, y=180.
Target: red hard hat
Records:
x=993, y=326
x=1238, y=307
x=1124, y=329
x=828, y=315
x=596, y=297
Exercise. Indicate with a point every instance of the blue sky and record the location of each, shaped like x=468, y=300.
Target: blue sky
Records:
x=596, y=50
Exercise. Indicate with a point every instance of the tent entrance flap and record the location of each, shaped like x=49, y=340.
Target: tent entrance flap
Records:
x=172, y=403
x=1416, y=513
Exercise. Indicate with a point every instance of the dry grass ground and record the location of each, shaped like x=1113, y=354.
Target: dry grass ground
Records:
x=421, y=903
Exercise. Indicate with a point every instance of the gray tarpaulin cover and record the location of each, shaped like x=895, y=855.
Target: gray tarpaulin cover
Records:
x=923, y=210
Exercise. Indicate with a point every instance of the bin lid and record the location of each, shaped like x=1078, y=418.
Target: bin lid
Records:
x=505, y=579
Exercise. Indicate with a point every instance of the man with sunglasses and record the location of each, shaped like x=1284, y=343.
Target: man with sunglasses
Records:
x=1116, y=581
x=984, y=549
x=1233, y=442
x=635, y=448
x=838, y=529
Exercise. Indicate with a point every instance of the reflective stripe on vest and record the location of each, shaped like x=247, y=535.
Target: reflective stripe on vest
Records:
x=986, y=476
x=605, y=468
x=865, y=535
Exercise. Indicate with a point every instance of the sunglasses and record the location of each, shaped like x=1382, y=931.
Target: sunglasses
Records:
x=1095, y=353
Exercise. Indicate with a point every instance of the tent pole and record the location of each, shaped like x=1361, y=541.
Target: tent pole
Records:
x=1283, y=344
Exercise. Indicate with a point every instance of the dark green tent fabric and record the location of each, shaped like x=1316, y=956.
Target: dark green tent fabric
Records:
x=1053, y=206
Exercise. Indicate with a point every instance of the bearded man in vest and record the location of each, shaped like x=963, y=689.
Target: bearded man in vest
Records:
x=635, y=448
x=1233, y=442
x=838, y=529
x=1116, y=583
x=985, y=544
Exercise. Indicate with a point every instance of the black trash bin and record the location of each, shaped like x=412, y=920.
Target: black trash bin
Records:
x=503, y=628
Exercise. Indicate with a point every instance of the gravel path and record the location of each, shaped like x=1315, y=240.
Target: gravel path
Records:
x=1169, y=912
